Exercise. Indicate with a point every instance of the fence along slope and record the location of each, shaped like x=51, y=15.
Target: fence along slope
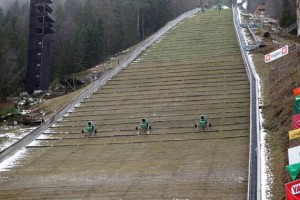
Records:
x=254, y=184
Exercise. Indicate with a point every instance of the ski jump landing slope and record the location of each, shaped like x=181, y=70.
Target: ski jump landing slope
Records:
x=194, y=69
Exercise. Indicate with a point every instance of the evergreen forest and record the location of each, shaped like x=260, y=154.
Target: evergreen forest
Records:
x=87, y=33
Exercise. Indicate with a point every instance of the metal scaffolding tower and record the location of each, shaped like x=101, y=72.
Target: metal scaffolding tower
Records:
x=39, y=47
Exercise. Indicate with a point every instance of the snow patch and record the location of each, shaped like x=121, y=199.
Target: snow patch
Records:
x=12, y=138
x=244, y=5
x=44, y=136
x=12, y=161
x=15, y=160
x=50, y=131
x=25, y=112
x=77, y=105
x=55, y=125
x=266, y=175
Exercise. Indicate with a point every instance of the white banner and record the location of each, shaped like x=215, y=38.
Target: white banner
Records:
x=277, y=54
x=294, y=155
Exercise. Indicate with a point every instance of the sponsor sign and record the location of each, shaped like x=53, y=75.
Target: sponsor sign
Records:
x=293, y=170
x=297, y=105
x=292, y=190
x=294, y=155
x=277, y=54
x=293, y=134
x=296, y=121
x=296, y=91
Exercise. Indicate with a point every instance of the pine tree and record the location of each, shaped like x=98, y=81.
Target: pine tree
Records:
x=87, y=31
x=127, y=35
x=286, y=18
x=1, y=36
x=13, y=47
x=158, y=14
x=1, y=15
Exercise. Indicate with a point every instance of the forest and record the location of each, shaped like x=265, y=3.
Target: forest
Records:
x=87, y=33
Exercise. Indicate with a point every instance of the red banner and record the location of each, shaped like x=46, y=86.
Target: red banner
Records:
x=292, y=190
x=296, y=91
x=296, y=121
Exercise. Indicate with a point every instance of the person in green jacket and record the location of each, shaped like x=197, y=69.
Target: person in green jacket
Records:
x=202, y=9
x=219, y=8
x=203, y=122
x=144, y=124
x=90, y=129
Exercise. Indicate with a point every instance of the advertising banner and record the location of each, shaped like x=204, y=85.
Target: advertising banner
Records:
x=292, y=190
x=297, y=105
x=296, y=121
x=294, y=155
x=277, y=54
x=296, y=91
x=293, y=134
x=293, y=170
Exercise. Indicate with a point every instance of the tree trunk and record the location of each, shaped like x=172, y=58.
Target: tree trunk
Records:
x=298, y=16
x=138, y=17
x=110, y=26
x=143, y=26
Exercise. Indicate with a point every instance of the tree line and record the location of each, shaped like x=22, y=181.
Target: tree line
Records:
x=13, y=47
x=87, y=32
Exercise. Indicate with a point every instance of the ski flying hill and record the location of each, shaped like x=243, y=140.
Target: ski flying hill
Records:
x=195, y=69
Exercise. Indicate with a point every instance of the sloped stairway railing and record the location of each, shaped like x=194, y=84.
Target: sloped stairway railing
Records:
x=254, y=149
